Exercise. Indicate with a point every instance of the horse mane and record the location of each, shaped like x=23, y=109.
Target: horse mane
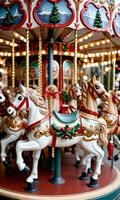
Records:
x=84, y=94
x=38, y=100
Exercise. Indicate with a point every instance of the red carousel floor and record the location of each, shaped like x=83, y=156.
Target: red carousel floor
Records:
x=13, y=184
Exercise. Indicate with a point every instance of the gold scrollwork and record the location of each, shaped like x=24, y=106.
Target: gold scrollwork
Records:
x=40, y=133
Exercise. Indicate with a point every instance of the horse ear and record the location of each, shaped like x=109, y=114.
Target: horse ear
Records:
x=22, y=89
x=93, y=80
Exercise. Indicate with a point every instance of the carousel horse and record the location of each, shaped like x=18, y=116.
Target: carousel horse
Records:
x=59, y=130
x=13, y=127
x=84, y=157
x=110, y=112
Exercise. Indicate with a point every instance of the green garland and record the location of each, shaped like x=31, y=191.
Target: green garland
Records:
x=66, y=132
x=66, y=97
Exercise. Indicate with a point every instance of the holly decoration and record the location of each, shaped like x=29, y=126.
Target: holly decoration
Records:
x=66, y=132
x=66, y=97
x=54, y=16
x=98, y=21
x=8, y=21
x=65, y=48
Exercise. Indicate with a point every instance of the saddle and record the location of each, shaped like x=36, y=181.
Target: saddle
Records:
x=66, y=118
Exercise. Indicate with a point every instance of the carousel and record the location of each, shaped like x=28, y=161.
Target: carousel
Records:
x=60, y=99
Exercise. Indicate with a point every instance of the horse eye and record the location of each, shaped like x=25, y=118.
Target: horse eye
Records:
x=20, y=98
x=0, y=97
x=97, y=87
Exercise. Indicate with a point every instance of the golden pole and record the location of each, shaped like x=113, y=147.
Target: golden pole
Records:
x=114, y=65
x=40, y=65
x=102, y=70
x=109, y=72
x=75, y=56
x=27, y=60
x=13, y=62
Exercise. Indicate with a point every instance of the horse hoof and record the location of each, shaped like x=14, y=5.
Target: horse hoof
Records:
x=116, y=157
x=36, y=180
x=26, y=170
x=78, y=163
x=90, y=171
x=84, y=176
x=93, y=183
x=31, y=187
x=7, y=165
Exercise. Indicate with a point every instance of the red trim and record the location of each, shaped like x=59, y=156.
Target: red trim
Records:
x=53, y=25
x=53, y=137
x=12, y=27
x=98, y=7
x=32, y=126
x=89, y=111
x=113, y=24
x=29, y=5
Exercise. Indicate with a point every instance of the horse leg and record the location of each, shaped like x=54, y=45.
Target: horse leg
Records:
x=99, y=153
x=32, y=180
x=21, y=146
x=87, y=162
x=79, y=153
x=4, y=142
x=34, y=174
x=95, y=149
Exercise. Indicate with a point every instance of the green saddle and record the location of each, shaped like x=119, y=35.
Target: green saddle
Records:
x=66, y=118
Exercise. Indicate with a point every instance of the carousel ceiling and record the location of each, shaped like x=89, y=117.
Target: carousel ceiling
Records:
x=97, y=23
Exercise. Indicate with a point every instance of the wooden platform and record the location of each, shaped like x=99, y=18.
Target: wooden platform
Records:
x=13, y=184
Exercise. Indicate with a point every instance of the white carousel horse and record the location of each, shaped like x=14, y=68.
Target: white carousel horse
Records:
x=14, y=127
x=42, y=128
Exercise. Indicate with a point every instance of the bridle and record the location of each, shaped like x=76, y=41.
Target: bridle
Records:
x=92, y=90
x=24, y=101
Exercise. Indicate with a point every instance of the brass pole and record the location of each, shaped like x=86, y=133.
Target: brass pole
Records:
x=13, y=62
x=27, y=60
x=40, y=65
x=75, y=56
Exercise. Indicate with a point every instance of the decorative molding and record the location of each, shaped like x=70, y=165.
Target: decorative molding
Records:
x=88, y=19
x=12, y=15
x=43, y=10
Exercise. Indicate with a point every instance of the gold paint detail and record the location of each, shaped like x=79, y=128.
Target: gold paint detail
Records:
x=40, y=133
x=91, y=130
x=111, y=120
x=14, y=124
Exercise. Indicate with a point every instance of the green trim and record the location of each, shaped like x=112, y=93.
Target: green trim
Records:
x=115, y=195
x=66, y=118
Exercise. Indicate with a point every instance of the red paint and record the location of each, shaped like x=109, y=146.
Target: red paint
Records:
x=72, y=184
x=110, y=150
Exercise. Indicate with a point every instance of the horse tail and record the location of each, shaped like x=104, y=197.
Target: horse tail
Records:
x=103, y=132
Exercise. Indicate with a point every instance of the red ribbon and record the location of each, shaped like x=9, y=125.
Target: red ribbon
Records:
x=51, y=94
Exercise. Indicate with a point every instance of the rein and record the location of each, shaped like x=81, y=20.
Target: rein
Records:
x=89, y=111
x=32, y=126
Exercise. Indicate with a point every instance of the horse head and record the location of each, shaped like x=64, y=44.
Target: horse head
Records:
x=96, y=87
x=20, y=102
x=111, y=101
x=75, y=91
